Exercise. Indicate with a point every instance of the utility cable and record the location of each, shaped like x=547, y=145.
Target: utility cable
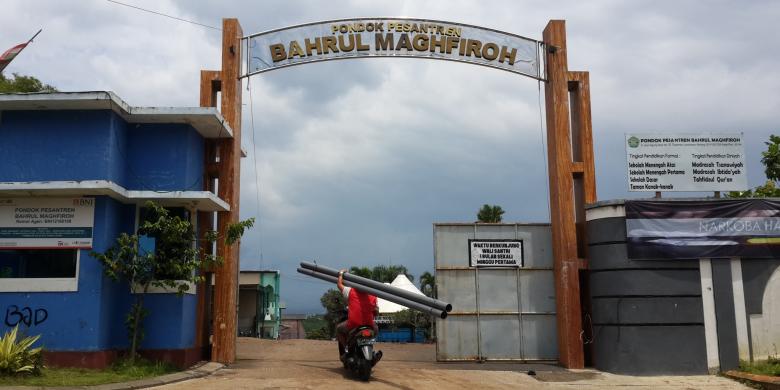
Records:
x=544, y=148
x=165, y=15
x=257, y=169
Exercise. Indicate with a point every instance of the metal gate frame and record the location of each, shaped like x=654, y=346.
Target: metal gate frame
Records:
x=478, y=313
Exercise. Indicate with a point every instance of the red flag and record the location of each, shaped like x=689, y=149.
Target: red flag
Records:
x=9, y=55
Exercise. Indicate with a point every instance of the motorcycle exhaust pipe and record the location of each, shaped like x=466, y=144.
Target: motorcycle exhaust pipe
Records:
x=379, y=293
x=432, y=302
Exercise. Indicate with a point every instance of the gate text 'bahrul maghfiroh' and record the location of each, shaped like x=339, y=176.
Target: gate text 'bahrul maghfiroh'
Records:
x=413, y=37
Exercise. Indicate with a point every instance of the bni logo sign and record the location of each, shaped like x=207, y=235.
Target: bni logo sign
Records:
x=633, y=142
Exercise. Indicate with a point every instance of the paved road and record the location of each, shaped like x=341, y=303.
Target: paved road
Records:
x=310, y=364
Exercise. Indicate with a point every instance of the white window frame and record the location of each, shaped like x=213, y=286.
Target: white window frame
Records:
x=137, y=289
x=43, y=284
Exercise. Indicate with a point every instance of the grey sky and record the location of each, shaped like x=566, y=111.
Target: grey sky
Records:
x=356, y=159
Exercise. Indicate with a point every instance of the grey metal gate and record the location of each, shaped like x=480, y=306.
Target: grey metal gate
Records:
x=497, y=313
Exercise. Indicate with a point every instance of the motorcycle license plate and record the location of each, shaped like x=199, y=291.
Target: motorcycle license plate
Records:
x=362, y=342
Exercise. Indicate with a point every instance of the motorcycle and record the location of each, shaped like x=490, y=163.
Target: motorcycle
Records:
x=359, y=356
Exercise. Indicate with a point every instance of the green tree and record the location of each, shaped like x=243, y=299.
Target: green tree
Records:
x=428, y=284
x=382, y=273
x=316, y=327
x=428, y=287
x=319, y=334
x=771, y=160
x=335, y=306
x=364, y=272
x=490, y=214
x=174, y=263
x=23, y=84
x=387, y=273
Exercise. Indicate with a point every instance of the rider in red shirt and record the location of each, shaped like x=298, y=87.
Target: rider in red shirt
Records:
x=362, y=308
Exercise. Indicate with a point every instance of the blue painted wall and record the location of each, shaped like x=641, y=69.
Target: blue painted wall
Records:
x=164, y=158
x=62, y=145
x=100, y=145
x=171, y=322
x=76, y=319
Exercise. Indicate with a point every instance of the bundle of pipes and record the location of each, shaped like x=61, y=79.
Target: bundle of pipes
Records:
x=393, y=294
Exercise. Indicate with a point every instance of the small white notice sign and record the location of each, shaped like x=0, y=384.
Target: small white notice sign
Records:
x=496, y=253
x=685, y=162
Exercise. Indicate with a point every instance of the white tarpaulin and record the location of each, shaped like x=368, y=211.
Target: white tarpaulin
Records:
x=402, y=282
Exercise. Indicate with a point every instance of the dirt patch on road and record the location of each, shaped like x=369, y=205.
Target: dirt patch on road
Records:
x=321, y=350
x=414, y=355
x=311, y=364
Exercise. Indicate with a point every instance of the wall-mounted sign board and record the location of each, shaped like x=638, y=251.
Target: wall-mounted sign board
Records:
x=33, y=223
x=392, y=37
x=495, y=253
x=747, y=228
x=685, y=162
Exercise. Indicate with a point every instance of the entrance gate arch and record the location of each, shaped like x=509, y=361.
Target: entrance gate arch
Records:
x=569, y=136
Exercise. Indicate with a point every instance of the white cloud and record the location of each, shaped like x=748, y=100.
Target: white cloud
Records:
x=97, y=45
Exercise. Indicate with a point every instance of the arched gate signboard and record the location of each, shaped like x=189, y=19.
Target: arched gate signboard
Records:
x=392, y=37
x=569, y=135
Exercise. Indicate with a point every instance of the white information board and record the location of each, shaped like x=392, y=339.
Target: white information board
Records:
x=32, y=223
x=685, y=162
x=496, y=253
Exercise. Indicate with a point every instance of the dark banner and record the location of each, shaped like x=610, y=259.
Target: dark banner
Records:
x=702, y=229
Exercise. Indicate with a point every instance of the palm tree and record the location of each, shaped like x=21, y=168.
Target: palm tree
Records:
x=387, y=273
x=490, y=214
x=428, y=287
x=428, y=284
x=361, y=271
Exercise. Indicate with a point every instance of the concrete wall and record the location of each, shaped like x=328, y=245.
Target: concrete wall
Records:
x=642, y=310
x=765, y=324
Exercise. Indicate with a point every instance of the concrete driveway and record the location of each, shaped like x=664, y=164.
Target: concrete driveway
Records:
x=312, y=364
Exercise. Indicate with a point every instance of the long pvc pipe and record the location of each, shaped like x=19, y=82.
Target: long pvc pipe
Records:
x=435, y=303
x=381, y=294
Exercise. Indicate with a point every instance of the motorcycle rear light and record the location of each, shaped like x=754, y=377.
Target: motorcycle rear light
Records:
x=366, y=333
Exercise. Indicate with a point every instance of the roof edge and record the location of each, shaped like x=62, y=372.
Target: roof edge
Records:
x=201, y=200
x=111, y=101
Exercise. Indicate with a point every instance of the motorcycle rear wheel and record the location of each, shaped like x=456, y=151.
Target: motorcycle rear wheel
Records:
x=364, y=370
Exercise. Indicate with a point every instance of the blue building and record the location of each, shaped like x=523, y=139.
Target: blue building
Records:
x=76, y=171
